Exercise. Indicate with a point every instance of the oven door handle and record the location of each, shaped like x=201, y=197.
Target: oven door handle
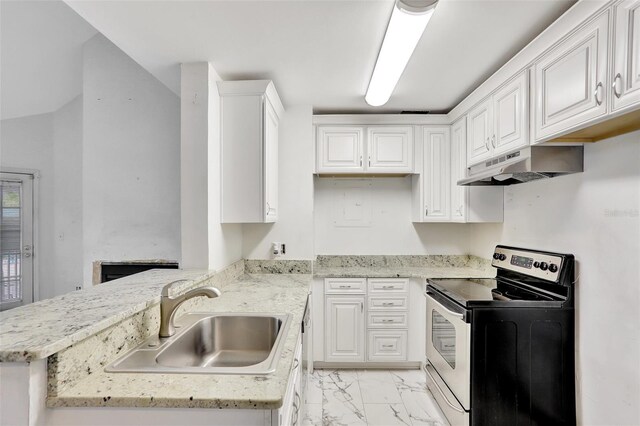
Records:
x=441, y=392
x=440, y=305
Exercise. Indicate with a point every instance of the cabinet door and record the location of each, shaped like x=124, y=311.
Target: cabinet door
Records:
x=511, y=115
x=571, y=81
x=626, y=55
x=458, y=169
x=480, y=121
x=344, y=332
x=436, y=174
x=389, y=149
x=271, y=163
x=339, y=149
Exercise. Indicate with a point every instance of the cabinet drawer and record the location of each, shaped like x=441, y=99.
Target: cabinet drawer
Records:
x=345, y=285
x=388, y=285
x=387, y=345
x=387, y=319
x=387, y=303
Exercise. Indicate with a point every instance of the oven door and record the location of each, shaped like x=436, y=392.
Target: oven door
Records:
x=448, y=346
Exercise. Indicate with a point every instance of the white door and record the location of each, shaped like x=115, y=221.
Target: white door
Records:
x=271, y=164
x=571, y=81
x=16, y=240
x=480, y=121
x=339, y=149
x=436, y=174
x=511, y=116
x=390, y=149
x=344, y=333
x=626, y=46
x=458, y=168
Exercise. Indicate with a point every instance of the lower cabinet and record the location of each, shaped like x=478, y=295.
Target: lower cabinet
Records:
x=344, y=316
x=291, y=412
x=372, y=326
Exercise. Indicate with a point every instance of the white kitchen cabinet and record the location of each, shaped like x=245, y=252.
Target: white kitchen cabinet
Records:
x=570, y=81
x=436, y=174
x=626, y=55
x=387, y=345
x=344, y=328
x=250, y=113
x=389, y=149
x=472, y=204
x=479, y=132
x=290, y=414
x=511, y=116
x=500, y=123
x=364, y=149
x=340, y=149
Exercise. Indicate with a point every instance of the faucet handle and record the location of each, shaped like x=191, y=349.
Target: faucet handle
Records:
x=165, y=289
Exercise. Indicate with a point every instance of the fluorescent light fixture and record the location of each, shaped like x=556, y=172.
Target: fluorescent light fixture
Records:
x=408, y=21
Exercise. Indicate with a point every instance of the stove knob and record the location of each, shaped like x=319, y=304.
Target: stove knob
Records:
x=496, y=256
x=553, y=267
x=544, y=266
x=536, y=264
x=503, y=256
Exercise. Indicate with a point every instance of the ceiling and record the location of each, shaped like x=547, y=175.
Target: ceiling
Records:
x=41, y=55
x=322, y=52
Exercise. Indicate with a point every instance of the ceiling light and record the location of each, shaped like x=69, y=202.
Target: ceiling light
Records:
x=408, y=21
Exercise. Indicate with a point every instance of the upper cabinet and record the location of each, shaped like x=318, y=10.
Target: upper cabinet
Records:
x=389, y=149
x=626, y=55
x=250, y=114
x=500, y=123
x=436, y=174
x=344, y=150
x=570, y=81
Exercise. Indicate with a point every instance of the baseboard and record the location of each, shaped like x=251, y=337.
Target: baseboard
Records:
x=318, y=365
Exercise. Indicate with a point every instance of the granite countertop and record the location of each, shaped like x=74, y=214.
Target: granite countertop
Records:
x=403, y=272
x=43, y=328
x=266, y=293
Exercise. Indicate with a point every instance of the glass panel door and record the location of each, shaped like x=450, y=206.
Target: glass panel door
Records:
x=16, y=240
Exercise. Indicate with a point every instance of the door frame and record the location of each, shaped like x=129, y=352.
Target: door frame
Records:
x=36, y=222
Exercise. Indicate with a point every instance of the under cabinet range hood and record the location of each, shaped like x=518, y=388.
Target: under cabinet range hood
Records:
x=527, y=164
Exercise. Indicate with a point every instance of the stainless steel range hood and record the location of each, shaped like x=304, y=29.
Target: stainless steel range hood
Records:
x=527, y=164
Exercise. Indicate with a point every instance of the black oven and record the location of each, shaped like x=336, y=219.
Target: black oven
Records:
x=501, y=351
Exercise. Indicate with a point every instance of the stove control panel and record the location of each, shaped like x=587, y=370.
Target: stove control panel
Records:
x=535, y=264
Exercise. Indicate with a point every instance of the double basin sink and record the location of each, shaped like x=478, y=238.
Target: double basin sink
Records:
x=212, y=343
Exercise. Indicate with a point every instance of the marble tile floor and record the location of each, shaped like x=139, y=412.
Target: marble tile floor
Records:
x=370, y=397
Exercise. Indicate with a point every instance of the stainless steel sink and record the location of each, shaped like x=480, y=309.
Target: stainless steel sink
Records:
x=213, y=344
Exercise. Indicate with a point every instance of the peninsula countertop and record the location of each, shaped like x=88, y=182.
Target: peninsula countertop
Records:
x=266, y=293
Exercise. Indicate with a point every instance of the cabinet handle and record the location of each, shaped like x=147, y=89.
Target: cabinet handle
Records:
x=493, y=141
x=361, y=306
x=426, y=211
x=596, y=94
x=617, y=78
x=387, y=304
x=369, y=161
x=345, y=286
x=486, y=144
x=296, y=363
x=388, y=320
x=387, y=346
x=361, y=161
x=386, y=287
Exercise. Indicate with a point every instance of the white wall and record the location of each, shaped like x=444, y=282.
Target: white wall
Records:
x=387, y=206
x=67, y=207
x=27, y=143
x=596, y=216
x=131, y=160
x=206, y=243
x=295, y=193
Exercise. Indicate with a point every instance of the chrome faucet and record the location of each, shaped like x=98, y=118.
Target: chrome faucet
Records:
x=169, y=305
